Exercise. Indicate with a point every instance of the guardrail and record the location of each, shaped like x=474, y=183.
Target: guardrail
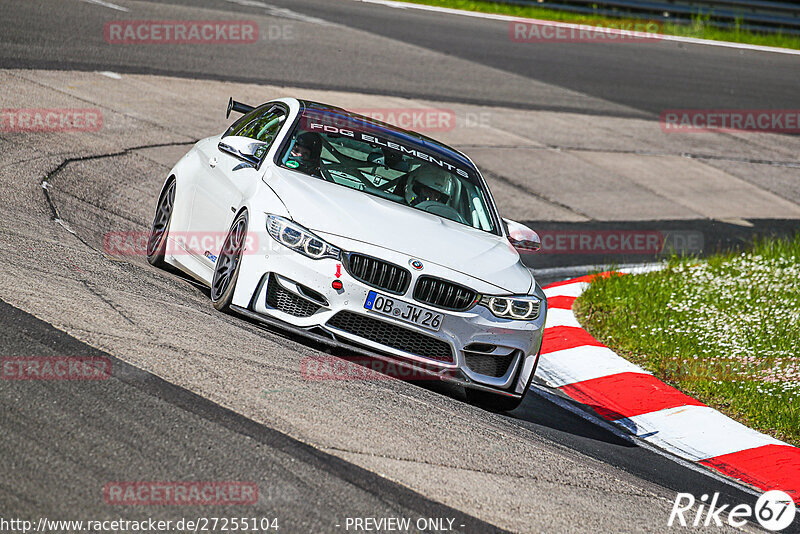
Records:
x=753, y=15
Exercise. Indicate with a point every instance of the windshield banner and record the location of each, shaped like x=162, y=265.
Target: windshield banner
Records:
x=340, y=126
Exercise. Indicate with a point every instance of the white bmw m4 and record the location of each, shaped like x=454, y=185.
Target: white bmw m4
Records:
x=357, y=233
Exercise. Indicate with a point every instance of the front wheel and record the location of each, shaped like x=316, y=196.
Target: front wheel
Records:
x=226, y=270
x=493, y=401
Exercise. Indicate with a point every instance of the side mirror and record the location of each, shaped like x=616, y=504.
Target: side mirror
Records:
x=522, y=238
x=248, y=150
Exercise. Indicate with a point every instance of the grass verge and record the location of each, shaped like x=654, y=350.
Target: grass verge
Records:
x=698, y=28
x=725, y=330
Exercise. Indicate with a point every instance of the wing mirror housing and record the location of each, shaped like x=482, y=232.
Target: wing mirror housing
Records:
x=522, y=238
x=248, y=150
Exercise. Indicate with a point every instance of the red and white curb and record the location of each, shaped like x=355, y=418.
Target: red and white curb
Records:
x=631, y=398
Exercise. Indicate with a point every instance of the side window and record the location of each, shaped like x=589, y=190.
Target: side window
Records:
x=260, y=124
x=246, y=118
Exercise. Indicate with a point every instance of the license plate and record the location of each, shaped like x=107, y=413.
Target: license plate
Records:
x=403, y=311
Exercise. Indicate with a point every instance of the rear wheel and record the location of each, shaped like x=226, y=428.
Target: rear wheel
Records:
x=226, y=270
x=157, y=243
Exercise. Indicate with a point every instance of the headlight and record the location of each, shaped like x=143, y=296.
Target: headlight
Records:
x=297, y=238
x=525, y=308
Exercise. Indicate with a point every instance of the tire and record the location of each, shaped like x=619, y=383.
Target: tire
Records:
x=159, y=230
x=493, y=401
x=226, y=269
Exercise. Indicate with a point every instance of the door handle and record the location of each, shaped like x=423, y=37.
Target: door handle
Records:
x=213, y=161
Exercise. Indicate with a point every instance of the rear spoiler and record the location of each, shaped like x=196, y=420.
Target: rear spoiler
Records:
x=238, y=107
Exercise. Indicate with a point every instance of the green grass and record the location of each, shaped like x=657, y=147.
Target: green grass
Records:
x=725, y=330
x=698, y=28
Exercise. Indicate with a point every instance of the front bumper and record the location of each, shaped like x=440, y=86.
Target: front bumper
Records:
x=472, y=348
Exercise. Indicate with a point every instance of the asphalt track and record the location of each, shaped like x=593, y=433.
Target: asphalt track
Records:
x=71, y=441
x=373, y=49
x=203, y=403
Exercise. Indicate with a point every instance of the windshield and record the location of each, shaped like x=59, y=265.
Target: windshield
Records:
x=361, y=155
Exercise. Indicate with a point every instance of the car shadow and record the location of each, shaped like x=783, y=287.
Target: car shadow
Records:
x=544, y=414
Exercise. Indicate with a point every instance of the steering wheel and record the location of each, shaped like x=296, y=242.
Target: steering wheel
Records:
x=348, y=164
x=442, y=210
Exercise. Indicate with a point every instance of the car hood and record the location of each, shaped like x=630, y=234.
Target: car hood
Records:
x=334, y=209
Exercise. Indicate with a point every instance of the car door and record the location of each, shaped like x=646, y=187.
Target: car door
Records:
x=227, y=178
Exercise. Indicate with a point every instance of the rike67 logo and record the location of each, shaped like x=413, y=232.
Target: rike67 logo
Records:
x=774, y=510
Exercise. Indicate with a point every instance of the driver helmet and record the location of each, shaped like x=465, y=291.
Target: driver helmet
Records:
x=429, y=184
x=307, y=150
